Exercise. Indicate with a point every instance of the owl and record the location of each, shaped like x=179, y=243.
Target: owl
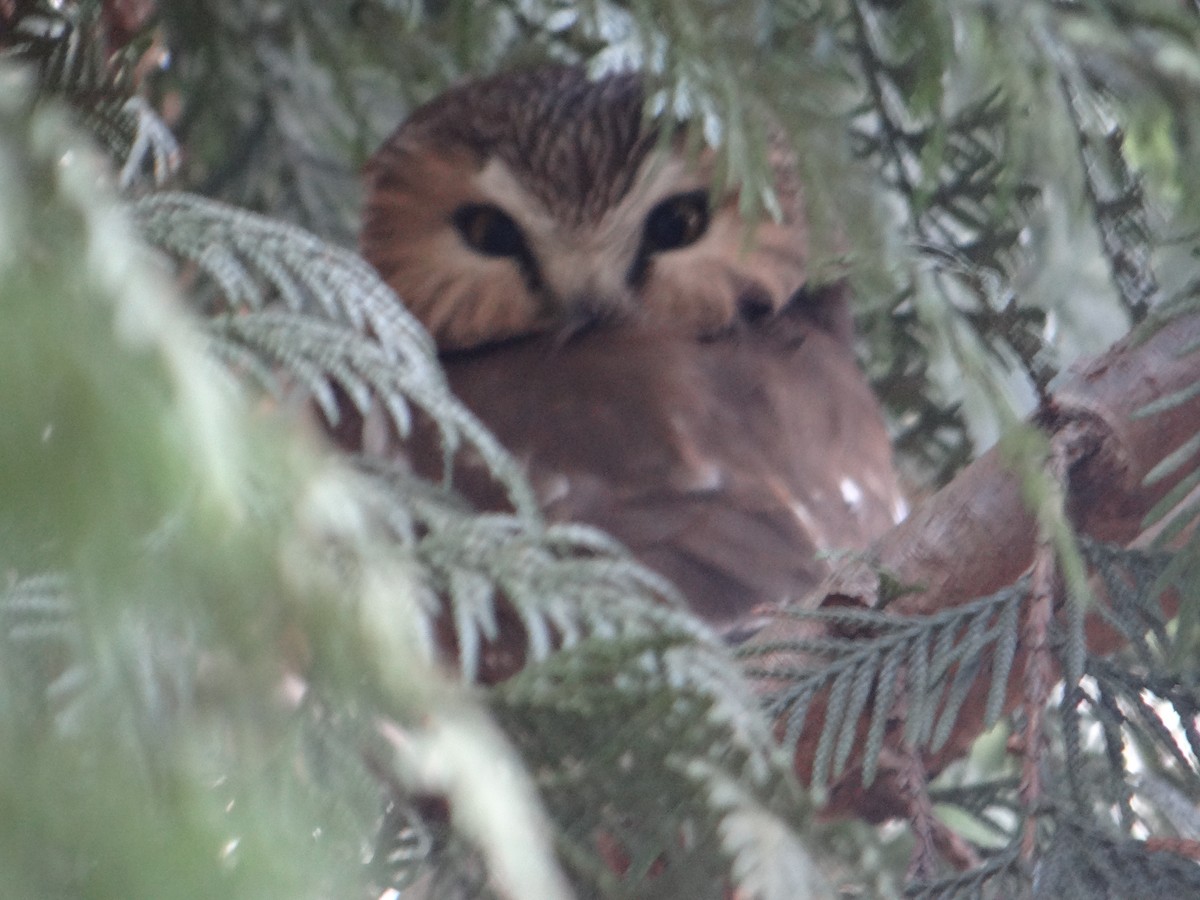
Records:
x=663, y=367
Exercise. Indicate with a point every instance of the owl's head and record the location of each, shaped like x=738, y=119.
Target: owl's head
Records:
x=539, y=201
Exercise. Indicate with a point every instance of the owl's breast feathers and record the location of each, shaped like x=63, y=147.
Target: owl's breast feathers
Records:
x=730, y=465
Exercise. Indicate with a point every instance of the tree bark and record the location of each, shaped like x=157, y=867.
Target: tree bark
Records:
x=978, y=535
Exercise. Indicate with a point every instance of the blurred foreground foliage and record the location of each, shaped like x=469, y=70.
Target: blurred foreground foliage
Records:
x=222, y=666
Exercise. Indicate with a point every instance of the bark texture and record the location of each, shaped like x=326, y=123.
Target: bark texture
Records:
x=977, y=535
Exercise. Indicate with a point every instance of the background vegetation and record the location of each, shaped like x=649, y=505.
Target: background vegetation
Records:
x=223, y=648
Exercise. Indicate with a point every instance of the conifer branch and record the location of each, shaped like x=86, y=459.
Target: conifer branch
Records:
x=86, y=54
x=978, y=535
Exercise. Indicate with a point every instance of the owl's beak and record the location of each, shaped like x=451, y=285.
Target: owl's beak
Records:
x=584, y=311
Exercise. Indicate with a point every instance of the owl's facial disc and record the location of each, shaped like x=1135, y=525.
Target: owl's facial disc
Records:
x=672, y=224
x=583, y=269
x=540, y=202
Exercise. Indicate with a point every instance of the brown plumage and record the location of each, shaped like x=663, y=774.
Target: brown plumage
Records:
x=662, y=369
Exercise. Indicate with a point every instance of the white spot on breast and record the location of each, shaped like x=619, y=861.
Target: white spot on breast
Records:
x=705, y=477
x=851, y=492
x=697, y=473
x=553, y=488
x=899, y=510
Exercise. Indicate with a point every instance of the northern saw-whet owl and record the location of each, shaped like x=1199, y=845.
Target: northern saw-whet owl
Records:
x=663, y=368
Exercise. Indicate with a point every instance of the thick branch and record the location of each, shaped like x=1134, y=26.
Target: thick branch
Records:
x=977, y=535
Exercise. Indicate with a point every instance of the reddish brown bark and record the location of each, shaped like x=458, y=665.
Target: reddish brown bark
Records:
x=977, y=535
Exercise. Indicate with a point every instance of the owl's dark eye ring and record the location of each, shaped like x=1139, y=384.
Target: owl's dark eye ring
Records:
x=489, y=230
x=676, y=222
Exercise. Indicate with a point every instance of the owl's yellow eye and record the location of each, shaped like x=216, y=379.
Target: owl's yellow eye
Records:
x=489, y=230
x=676, y=222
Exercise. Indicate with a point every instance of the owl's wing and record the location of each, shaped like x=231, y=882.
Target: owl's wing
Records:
x=730, y=465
